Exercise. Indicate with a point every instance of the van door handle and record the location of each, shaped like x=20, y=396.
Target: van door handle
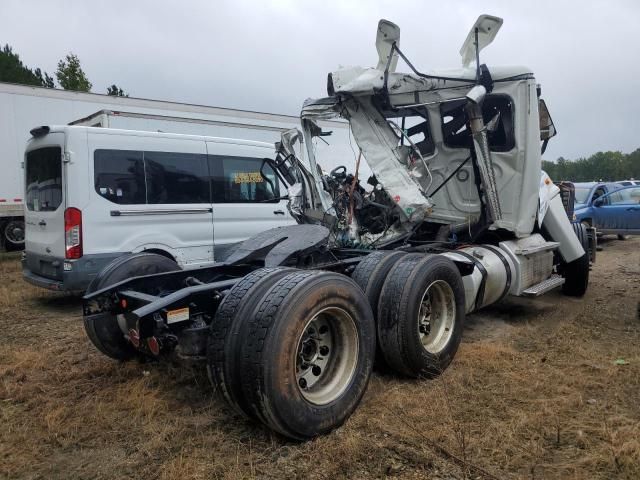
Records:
x=632, y=209
x=42, y=223
x=278, y=212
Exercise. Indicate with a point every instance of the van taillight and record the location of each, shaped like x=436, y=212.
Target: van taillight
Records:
x=73, y=233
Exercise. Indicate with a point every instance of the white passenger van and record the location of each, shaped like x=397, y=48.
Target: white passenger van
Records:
x=93, y=194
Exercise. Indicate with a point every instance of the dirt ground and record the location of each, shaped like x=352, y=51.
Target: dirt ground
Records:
x=540, y=388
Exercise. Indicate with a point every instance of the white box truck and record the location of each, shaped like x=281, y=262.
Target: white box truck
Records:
x=24, y=107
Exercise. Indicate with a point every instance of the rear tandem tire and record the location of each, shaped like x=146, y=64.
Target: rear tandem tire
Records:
x=576, y=273
x=370, y=275
x=223, y=344
x=372, y=271
x=421, y=315
x=308, y=353
x=103, y=329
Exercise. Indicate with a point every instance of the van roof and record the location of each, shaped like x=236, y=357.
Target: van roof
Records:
x=69, y=129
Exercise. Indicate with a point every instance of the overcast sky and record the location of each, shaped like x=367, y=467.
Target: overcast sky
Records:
x=270, y=55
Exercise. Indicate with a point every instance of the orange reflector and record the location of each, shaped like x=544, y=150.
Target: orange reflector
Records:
x=154, y=346
x=134, y=337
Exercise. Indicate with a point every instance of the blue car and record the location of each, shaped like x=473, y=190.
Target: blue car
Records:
x=609, y=207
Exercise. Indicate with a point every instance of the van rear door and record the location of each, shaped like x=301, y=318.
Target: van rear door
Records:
x=45, y=205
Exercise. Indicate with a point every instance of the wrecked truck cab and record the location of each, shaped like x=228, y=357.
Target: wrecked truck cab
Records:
x=451, y=214
x=414, y=132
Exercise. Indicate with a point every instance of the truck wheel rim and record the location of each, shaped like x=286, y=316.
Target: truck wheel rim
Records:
x=436, y=317
x=326, y=355
x=14, y=232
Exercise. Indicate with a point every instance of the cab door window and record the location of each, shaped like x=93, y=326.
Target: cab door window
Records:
x=497, y=108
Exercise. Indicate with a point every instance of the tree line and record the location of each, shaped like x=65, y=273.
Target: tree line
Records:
x=69, y=74
x=601, y=166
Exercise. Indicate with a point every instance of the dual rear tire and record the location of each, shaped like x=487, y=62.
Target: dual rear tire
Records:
x=293, y=349
x=419, y=302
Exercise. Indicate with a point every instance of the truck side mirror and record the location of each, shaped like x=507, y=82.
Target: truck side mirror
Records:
x=547, y=128
x=598, y=202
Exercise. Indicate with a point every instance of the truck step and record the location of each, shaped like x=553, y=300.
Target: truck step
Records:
x=550, y=283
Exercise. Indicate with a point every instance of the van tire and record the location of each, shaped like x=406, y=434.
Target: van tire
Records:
x=223, y=344
x=403, y=331
x=280, y=349
x=103, y=329
x=576, y=273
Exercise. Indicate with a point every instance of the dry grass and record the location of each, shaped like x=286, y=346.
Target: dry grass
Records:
x=533, y=393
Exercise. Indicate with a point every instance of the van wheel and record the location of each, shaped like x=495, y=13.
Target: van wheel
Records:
x=576, y=273
x=13, y=234
x=308, y=353
x=421, y=315
x=622, y=237
x=105, y=330
x=223, y=346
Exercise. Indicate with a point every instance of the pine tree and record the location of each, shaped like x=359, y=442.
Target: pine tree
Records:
x=12, y=70
x=71, y=76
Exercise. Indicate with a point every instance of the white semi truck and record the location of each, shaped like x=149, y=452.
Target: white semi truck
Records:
x=24, y=107
x=458, y=216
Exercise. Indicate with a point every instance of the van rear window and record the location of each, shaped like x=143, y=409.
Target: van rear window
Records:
x=44, y=179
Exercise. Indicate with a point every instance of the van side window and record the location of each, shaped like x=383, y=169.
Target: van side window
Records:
x=129, y=177
x=176, y=177
x=238, y=180
x=454, y=123
x=119, y=176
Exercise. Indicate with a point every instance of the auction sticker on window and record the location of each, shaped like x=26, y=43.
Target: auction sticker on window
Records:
x=248, y=177
x=178, y=315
